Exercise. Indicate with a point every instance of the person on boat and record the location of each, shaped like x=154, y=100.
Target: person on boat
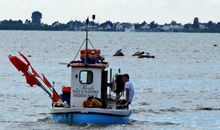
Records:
x=129, y=88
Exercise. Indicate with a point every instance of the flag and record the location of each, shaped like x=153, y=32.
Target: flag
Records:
x=25, y=58
x=30, y=77
x=31, y=80
x=34, y=72
x=29, y=64
x=19, y=64
x=46, y=82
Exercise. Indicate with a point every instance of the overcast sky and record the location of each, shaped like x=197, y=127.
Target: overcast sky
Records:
x=161, y=11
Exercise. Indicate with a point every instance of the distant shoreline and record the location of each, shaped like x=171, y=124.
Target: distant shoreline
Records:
x=104, y=31
x=108, y=26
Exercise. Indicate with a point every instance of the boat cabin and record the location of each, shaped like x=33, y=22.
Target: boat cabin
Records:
x=87, y=80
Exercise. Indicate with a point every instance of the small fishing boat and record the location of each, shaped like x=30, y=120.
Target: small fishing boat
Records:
x=94, y=94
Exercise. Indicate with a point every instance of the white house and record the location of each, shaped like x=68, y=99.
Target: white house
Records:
x=165, y=28
x=129, y=28
x=119, y=27
x=108, y=27
x=202, y=26
x=145, y=27
x=170, y=27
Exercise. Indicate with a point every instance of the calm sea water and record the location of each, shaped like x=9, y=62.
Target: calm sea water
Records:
x=179, y=89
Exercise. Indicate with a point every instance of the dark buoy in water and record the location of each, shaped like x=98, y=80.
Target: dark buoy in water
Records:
x=138, y=53
x=215, y=45
x=146, y=56
x=119, y=53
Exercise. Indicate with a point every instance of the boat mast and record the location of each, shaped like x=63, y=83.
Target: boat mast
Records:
x=87, y=39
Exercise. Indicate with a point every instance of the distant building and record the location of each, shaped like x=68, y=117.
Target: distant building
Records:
x=202, y=26
x=165, y=28
x=75, y=25
x=106, y=26
x=55, y=24
x=93, y=27
x=36, y=18
x=172, y=28
x=129, y=27
x=90, y=27
x=119, y=27
x=145, y=27
x=70, y=25
x=196, y=23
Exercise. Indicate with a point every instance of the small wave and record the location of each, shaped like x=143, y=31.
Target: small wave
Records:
x=9, y=96
x=144, y=103
x=43, y=113
x=25, y=99
x=217, y=77
x=15, y=122
x=208, y=109
x=38, y=106
x=135, y=121
x=172, y=109
x=46, y=119
x=152, y=111
x=138, y=110
x=165, y=123
x=30, y=115
x=88, y=126
x=186, y=101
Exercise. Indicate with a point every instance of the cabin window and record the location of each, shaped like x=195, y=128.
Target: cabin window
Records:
x=86, y=77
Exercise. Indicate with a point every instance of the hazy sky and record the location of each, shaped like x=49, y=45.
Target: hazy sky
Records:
x=162, y=11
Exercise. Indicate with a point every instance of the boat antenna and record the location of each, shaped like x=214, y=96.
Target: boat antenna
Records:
x=86, y=40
